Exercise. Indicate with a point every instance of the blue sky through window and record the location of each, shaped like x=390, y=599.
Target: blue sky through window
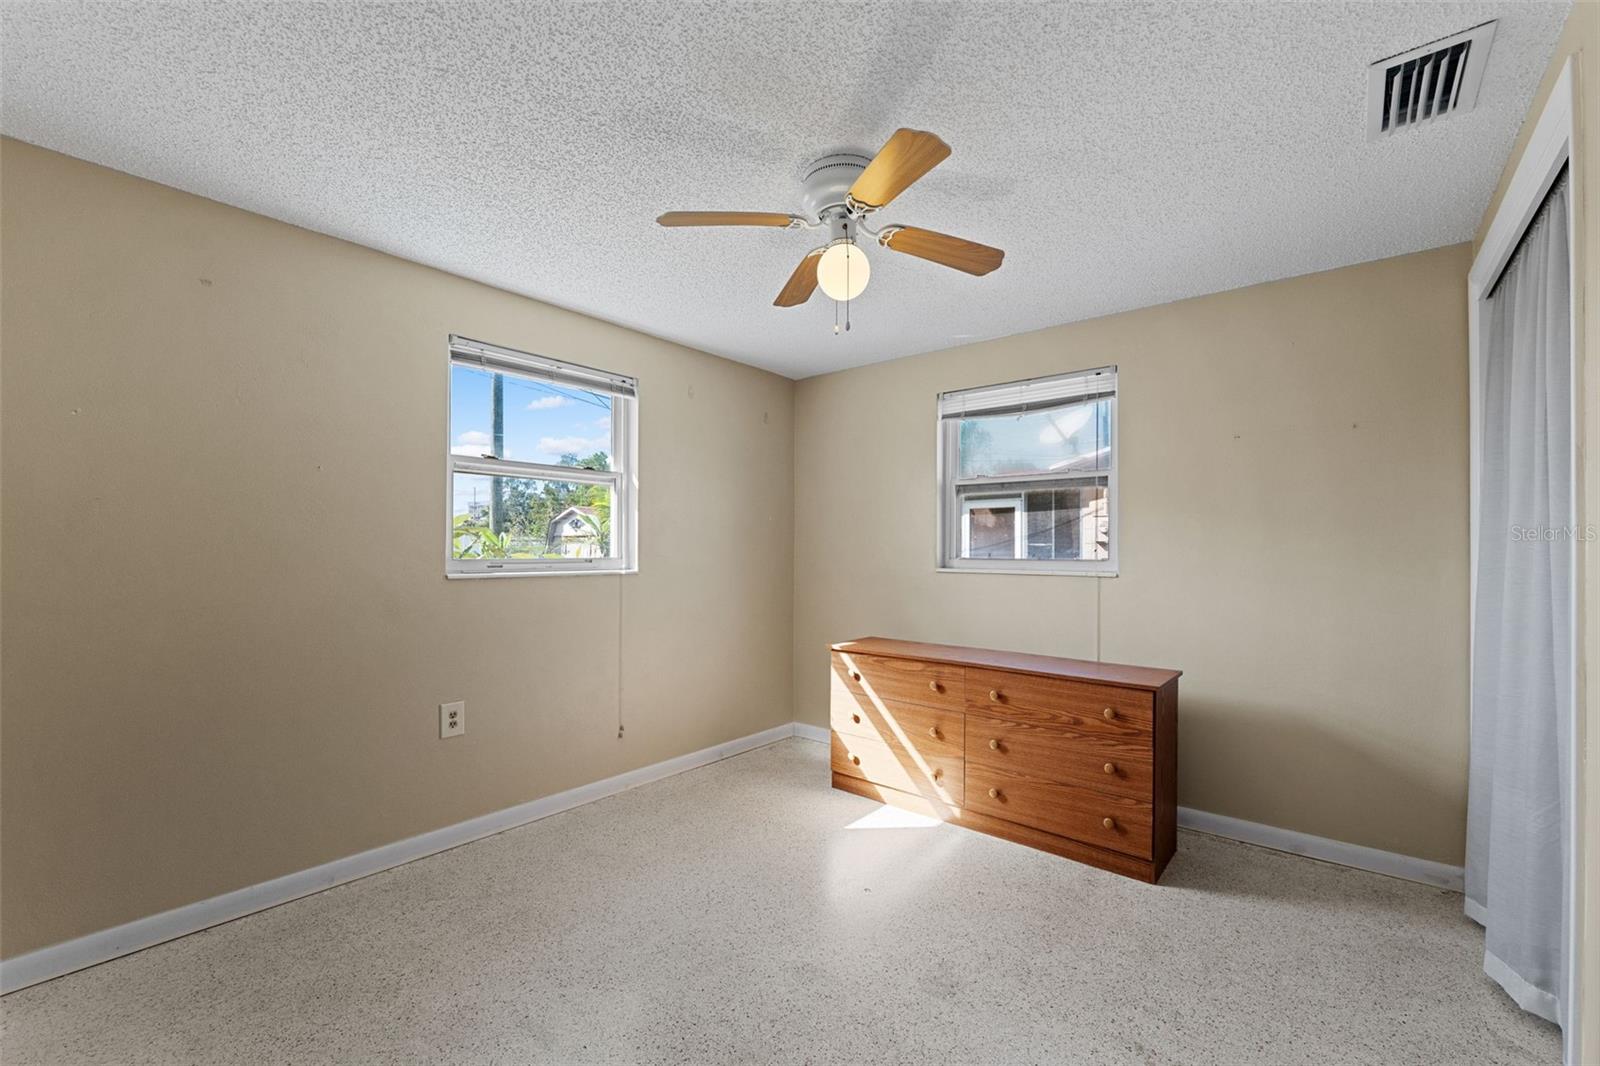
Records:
x=543, y=421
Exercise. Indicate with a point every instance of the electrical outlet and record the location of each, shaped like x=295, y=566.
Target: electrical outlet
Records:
x=452, y=719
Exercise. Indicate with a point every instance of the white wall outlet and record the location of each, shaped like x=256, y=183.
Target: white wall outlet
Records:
x=452, y=719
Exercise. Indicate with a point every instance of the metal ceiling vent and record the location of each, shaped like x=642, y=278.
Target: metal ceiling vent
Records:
x=1426, y=83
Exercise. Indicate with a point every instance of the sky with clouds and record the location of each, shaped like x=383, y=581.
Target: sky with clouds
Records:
x=542, y=421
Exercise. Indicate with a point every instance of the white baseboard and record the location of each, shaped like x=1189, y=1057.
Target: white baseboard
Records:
x=95, y=948
x=58, y=959
x=1438, y=874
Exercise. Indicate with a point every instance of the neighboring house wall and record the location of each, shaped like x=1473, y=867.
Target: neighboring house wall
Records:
x=575, y=534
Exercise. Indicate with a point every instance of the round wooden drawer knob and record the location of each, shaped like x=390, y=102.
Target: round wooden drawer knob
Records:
x=1111, y=767
x=994, y=745
x=933, y=731
x=856, y=759
x=994, y=695
x=1110, y=713
x=994, y=793
x=855, y=675
x=856, y=718
x=1109, y=823
x=933, y=686
x=935, y=772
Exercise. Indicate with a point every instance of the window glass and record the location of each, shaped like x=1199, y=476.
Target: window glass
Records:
x=1069, y=523
x=1067, y=439
x=1028, y=521
x=538, y=421
x=535, y=519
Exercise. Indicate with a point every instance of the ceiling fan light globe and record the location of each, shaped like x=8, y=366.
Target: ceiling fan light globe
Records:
x=843, y=271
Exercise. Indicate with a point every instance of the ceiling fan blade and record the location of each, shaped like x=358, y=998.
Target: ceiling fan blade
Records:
x=727, y=218
x=903, y=159
x=802, y=283
x=941, y=248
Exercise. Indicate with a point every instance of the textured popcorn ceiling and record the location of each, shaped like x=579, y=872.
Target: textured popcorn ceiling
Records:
x=1123, y=155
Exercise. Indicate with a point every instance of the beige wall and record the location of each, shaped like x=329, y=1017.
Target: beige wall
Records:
x=216, y=414
x=1293, y=537
x=226, y=623
x=1580, y=42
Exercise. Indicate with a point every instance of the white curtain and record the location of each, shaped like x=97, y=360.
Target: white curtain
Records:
x=1519, y=851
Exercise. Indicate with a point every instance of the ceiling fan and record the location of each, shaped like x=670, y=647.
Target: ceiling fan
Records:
x=839, y=192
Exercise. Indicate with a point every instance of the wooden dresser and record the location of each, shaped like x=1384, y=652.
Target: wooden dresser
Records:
x=1076, y=758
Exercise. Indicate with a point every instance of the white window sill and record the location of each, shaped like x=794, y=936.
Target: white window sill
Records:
x=1041, y=571
x=585, y=572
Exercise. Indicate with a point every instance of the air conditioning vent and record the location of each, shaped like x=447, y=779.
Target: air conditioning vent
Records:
x=1426, y=83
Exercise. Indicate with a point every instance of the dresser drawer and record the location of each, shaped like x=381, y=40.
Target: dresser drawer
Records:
x=1049, y=700
x=1106, y=762
x=1066, y=810
x=882, y=763
x=904, y=680
x=928, y=731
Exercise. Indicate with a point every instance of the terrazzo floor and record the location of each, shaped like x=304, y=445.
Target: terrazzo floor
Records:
x=747, y=913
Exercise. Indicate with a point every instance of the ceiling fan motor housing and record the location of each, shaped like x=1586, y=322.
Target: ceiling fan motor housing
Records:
x=827, y=180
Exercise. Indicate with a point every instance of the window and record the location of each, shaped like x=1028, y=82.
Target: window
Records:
x=1027, y=475
x=541, y=465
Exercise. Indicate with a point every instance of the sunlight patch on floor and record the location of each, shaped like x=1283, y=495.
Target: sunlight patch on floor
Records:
x=887, y=817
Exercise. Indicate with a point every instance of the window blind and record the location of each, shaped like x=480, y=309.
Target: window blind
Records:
x=468, y=352
x=1030, y=395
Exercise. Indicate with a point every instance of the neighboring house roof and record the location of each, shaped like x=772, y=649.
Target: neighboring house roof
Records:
x=589, y=516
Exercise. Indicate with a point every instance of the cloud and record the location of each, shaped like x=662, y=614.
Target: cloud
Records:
x=603, y=422
x=472, y=442
x=544, y=403
x=579, y=446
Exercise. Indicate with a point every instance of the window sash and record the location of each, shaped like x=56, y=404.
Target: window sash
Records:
x=1034, y=478
x=486, y=567
x=466, y=464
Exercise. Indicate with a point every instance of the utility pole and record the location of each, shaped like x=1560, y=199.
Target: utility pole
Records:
x=497, y=502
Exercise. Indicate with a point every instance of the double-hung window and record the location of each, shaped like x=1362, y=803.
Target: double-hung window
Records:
x=1028, y=476
x=541, y=465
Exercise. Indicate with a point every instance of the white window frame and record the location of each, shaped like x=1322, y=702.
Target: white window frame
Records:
x=952, y=522
x=622, y=478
